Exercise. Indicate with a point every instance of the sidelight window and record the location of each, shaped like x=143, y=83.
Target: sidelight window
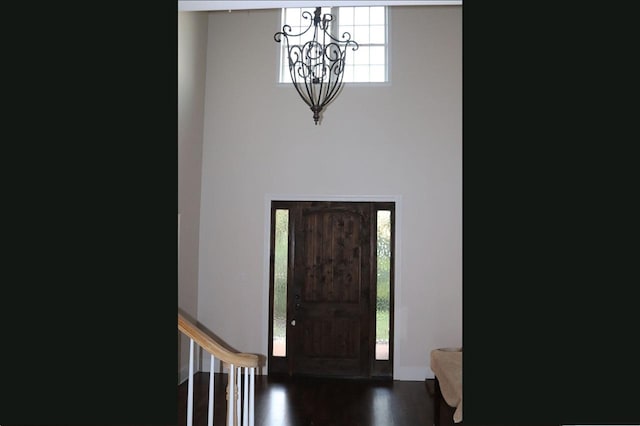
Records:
x=281, y=252
x=383, y=283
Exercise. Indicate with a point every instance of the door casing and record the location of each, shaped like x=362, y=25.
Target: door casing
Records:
x=376, y=368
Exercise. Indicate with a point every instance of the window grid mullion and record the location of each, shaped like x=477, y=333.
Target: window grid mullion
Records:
x=336, y=32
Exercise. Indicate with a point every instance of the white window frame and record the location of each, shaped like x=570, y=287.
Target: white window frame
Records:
x=282, y=68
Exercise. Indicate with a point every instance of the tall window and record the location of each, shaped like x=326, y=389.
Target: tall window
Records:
x=383, y=280
x=367, y=26
x=281, y=253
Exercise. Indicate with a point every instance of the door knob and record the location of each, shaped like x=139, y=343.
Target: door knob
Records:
x=293, y=322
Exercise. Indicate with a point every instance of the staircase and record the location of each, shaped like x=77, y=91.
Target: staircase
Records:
x=240, y=390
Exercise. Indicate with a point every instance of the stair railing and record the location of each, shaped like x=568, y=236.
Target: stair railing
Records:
x=240, y=405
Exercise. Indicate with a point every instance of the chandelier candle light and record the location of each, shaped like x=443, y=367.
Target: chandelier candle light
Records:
x=316, y=66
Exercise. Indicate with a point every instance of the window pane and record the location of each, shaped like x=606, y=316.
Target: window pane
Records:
x=348, y=74
x=377, y=34
x=349, y=57
x=305, y=38
x=377, y=73
x=361, y=15
x=361, y=73
x=362, y=34
x=361, y=56
x=348, y=29
x=280, y=265
x=346, y=16
x=284, y=68
x=376, y=55
x=376, y=15
x=292, y=17
x=383, y=284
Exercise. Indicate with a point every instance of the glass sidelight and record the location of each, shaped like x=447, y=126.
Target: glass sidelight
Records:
x=383, y=283
x=281, y=253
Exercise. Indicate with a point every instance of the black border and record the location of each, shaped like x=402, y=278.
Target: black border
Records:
x=90, y=282
x=549, y=226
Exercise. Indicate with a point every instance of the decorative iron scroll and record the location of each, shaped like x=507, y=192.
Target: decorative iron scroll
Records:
x=316, y=66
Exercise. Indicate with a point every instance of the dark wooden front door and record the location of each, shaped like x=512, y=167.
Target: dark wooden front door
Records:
x=330, y=312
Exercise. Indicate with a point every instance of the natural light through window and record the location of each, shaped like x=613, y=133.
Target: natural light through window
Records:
x=367, y=26
x=383, y=239
x=280, y=283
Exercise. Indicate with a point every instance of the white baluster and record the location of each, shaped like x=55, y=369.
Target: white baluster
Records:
x=230, y=394
x=190, y=388
x=245, y=411
x=252, y=392
x=210, y=417
x=239, y=398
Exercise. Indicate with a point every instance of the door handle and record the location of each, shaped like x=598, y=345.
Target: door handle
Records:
x=293, y=322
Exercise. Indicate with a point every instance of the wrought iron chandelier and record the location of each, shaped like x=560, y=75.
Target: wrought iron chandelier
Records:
x=317, y=65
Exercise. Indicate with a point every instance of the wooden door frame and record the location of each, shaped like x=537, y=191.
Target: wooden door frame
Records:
x=396, y=242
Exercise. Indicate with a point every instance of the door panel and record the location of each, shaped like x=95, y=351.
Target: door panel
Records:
x=331, y=289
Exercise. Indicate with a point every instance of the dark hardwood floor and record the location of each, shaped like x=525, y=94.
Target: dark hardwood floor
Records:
x=284, y=401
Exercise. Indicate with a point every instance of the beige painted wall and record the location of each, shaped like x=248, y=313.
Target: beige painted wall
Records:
x=402, y=139
x=192, y=42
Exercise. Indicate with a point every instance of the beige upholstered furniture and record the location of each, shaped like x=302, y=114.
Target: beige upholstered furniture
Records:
x=446, y=364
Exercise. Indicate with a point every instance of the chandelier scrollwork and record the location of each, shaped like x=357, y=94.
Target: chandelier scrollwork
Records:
x=317, y=65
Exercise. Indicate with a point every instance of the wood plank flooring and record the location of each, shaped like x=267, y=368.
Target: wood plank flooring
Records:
x=285, y=401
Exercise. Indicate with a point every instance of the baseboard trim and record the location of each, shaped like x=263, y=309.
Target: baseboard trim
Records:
x=415, y=373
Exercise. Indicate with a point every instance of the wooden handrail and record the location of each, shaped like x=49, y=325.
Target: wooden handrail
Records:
x=214, y=347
